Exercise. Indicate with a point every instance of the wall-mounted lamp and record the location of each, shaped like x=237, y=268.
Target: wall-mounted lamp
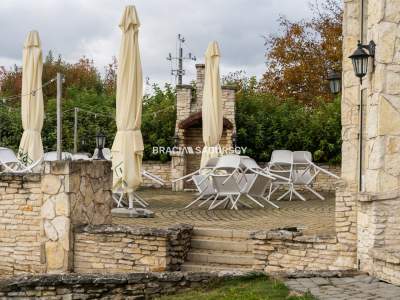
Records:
x=360, y=58
x=335, y=82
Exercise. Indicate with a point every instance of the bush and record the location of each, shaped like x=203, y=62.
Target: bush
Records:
x=265, y=123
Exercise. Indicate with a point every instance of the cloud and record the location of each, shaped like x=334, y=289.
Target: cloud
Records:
x=75, y=28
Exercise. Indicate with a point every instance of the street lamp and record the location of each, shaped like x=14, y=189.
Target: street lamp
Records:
x=360, y=58
x=335, y=82
x=100, y=143
x=176, y=140
x=234, y=139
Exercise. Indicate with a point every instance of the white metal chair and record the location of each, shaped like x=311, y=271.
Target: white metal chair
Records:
x=9, y=162
x=281, y=166
x=205, y=188
x=256, y=187
x=227, y=190
x=305, y=171
x=52, y=156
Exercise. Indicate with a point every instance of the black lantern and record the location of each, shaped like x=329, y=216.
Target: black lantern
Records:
x=335, y=81
x=100, y=143
x=360, y=58
x=234, y=139
x=176, y=140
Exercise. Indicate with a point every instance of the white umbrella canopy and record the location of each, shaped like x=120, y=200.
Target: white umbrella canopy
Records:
x=212, y=110
x=32, y=112
x=127, y=149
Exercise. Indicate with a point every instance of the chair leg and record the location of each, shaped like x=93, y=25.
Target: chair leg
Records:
x=206, y=200
x=218, y=203
x=298, y=195
x=194, y=201
x=273, y=204
x=283, y=196
x=141, y=199
x=254, y=200
x=315, y=192
x=234, y=202
x=212, y=203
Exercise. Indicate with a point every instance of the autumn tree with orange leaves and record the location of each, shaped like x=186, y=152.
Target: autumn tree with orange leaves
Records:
x=299, y=58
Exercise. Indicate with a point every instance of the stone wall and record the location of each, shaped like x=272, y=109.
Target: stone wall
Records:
x=117, y=248
x=20, y=224
x=159, y=169
x=38, y=212
x=74, y=193
x=112, y=286
x=369, y=220
x=283, y=251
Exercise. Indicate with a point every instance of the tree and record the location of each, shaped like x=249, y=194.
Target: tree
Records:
x=298, y=59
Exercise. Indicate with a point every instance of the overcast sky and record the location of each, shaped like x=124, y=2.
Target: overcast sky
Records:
x=74, y=28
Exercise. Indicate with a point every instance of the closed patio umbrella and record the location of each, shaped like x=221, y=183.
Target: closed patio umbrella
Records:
x=31, y=147
x=127, y=149
x=212, y=112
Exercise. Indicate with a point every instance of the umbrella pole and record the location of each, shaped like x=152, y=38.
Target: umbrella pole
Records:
x=59, y=117
x=131, y=197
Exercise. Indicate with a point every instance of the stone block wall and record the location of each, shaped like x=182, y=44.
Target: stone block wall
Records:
x=20, y=224
x=117, y=248
x=282, y=251
x=159, y=169
x=112, y=286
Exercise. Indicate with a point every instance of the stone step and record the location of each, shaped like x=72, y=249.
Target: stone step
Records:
x=199, y=267
x=221, y=245
x=220, y=257
x=220, y=233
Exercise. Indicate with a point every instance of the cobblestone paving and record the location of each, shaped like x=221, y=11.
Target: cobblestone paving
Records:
x=314, y=216
x=361, y=287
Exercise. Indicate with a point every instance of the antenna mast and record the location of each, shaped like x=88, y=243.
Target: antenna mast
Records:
x=179, y=72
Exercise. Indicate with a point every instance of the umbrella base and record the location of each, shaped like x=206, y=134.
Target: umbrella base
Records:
x=124, y=212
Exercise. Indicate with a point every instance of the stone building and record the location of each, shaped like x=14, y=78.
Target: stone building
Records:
x=368, y=200
x=189, y=125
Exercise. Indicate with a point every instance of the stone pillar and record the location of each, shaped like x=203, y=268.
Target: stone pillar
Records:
x=200, y=75
x=379, y=206
x=347, y=190
x=74, y=193
x=178, y=169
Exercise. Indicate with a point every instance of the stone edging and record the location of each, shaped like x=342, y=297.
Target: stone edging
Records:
x=113, y=228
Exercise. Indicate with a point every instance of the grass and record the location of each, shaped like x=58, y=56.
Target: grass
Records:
x=250, y=288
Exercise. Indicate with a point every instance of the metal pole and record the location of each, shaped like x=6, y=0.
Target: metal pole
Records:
x=76, y=110
x=180, y=63
x=59, y=117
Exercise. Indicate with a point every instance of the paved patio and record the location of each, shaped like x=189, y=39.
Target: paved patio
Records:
x=313, y=216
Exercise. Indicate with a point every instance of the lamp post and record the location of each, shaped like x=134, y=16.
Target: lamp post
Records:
x=335, y=81
x=360, y=58
x=234, y=139
x=176, y=140
x=100, y=143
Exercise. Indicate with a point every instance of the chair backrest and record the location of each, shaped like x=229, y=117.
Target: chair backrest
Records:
x=8, y=156
x=228, y=163
x=52, y=156
x=302, y=177
x=281, y=164
x=258, y=185
x=80, y=156
x=203, y=185
x=282, y=157
x=212, y=162
x=225, y=184
x=247, y=163
x=302, y=157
